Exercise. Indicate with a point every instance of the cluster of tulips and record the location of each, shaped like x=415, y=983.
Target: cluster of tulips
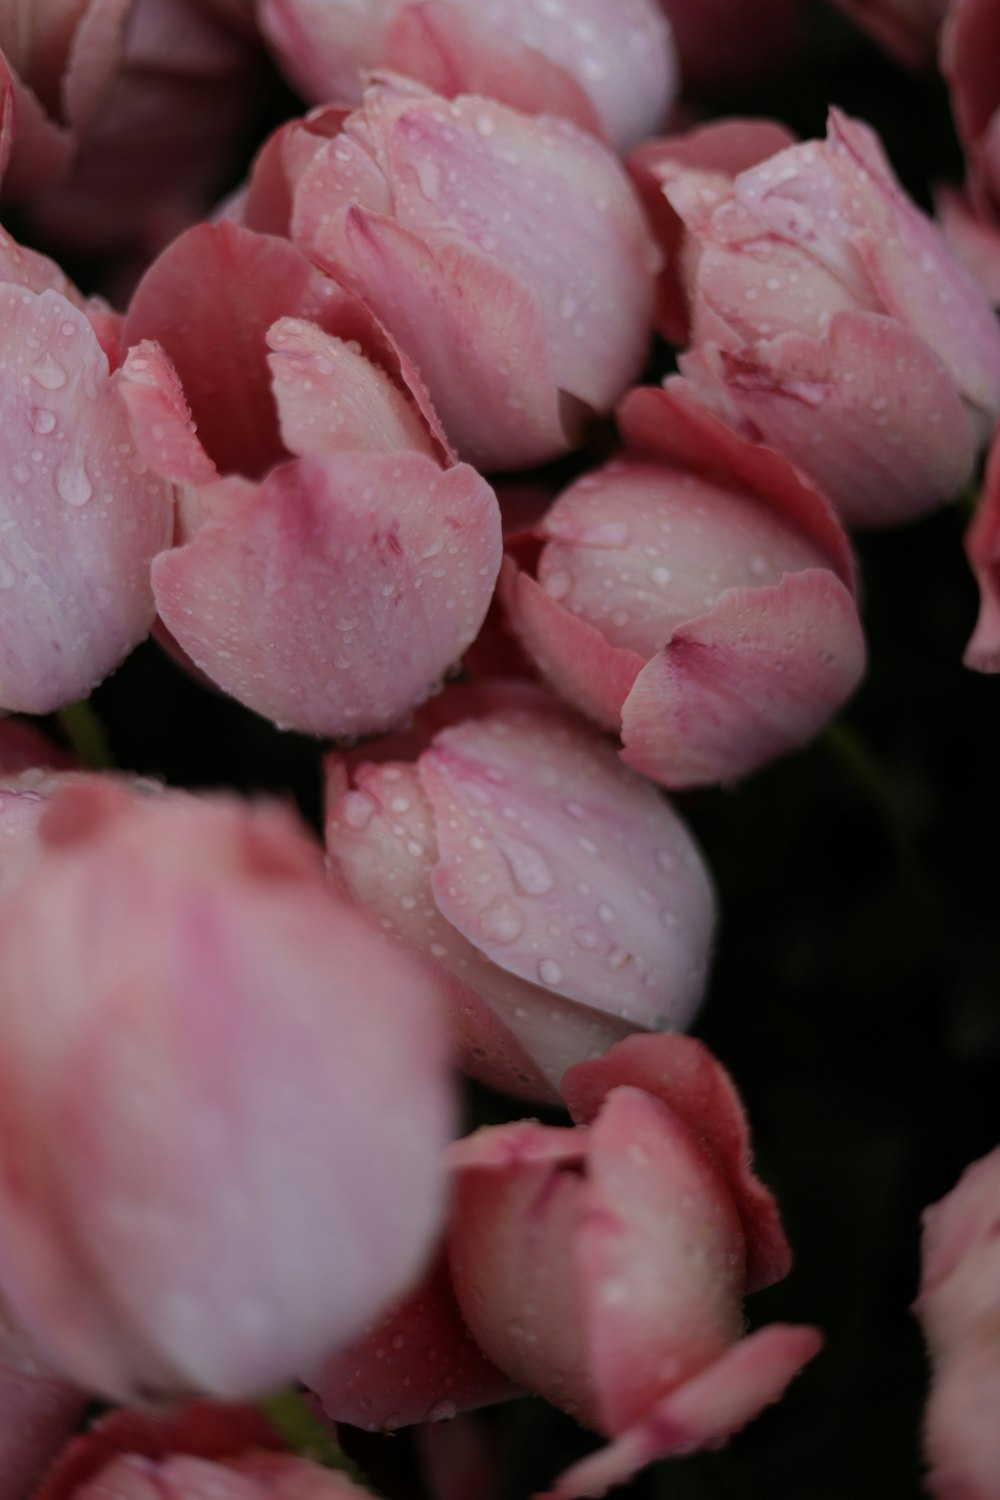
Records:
x=364, y=441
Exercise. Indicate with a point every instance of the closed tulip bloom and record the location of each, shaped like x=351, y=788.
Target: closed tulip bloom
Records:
x=607, y=65
x=507, y=256
x=959, y=1307
x=189, y=1019
x=695, y=595
x=830, y=319
x=560, y=900
x=82, y=517
x=971, y=219
x=605, y=1267
x=329, y=570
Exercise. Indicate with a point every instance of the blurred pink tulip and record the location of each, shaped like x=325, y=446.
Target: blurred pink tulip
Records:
x=607, y=65
x=695, y=595
x=328, y=571
x=982, y=545
x=722, y=43
x=605, y=1268
x=970, y=43
x=38, y=1411
x=908, y=29
x=559, y=899
x=830, y=320
x=201, y=1451
x=190, y=1019
x=959, y=1307
x=507, y=256
x=80, y=515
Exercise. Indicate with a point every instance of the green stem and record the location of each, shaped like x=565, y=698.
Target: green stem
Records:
x=305, y=1435
x=85, y=733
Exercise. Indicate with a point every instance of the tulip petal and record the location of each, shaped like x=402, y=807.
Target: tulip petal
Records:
x=38, y=1411
x=982, y=546
x=331, y=399
x=883, y=451
x=975, y=241
x=706, y=1411
x=758, y=675
x=337, y=600
x=160, y=417
x=571, y=655
x=483, y=352
x=35, y=152
x=683, y=1075
x=93, y=60
x=418, y=1363
x=566, y=872
x=208, y=301
x=83, y=519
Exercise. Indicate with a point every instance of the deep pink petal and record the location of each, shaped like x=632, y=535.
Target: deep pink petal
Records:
x=331, y=399
x=38, y=1411
x=706, y=1411
x=35, y=152
x=94, y=57
x=683, y=1075
x=565, y=872
x=418, y=1363
x=571, y=655
x=82, y=516
x=969, y=45
x=337, y=600
x=883, y=451
x=982, y=546
x=208, y=301
x=757, y=676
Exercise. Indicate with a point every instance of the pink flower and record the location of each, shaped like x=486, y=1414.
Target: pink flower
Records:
x=830, y=320
x=328, y=570
x=559, y=900
x=201, y=1451
x=959, y=1307
x=508, y=257
x=982, y=545
x=38, y=1411
x=190, y=1021
x=907, y=29
x=81, y=517
x=695, y=595
x=971, y=220
x=607, y=65
x=602, y=1267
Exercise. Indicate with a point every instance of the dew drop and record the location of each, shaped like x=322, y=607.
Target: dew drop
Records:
x=501, y=922
x=549, y=971
x=73, y=485
x=48, y=373
x=43, y=421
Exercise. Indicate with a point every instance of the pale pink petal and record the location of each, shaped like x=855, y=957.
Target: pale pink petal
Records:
x=706, y=1411
x=757, y=676
x=961, y=1433
x=571, y=655
x=683, y=1075
x=83, y=519
x=27, y=268
x=975, y=241
x=208, y=301
x=325, y=44
x=160, y=417
x=566, y=872
x=331, y=399
x=483, y=353
x=660, y=1254
x=668, y=422
x=338, y=599
x=883, y=451
x=982, y=546
x=418, y=1363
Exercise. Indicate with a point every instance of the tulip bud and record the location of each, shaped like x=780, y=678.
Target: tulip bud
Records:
x=695, y=595
x=189, y=1020
x=560, y=901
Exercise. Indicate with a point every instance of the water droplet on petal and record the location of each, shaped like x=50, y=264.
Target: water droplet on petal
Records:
x=48, y=373
x=73, y=485
x=549, y=971
x=501, y=922
x=43, y=421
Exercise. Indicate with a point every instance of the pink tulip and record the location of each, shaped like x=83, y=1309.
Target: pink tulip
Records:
x=605, y=1268
x=38, y=1411
x=190, y=1020
x=329, y=571
x=959, y=1307
x=971, y=221
x=722, y=43
x=695, y=595
x=830, y=320
x=507, y=256
x=982, y=545
x=201, y=1451
x=908, y=29
x=607, y=65
x=559, y=900
x=23, y=748
x=80, y=515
